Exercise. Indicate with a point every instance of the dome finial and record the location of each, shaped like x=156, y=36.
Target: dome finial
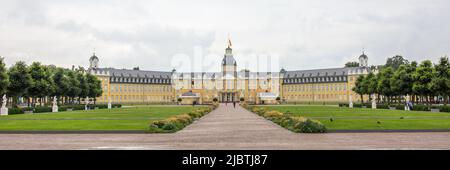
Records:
x=229, y=41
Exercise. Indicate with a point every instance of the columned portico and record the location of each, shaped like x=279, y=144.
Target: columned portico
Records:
x=228, y=97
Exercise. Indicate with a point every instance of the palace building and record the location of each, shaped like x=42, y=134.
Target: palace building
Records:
x=146, y=87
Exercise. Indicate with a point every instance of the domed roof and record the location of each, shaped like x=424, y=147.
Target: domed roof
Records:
x=93, y=57
x=363, y=56
x=228, y=60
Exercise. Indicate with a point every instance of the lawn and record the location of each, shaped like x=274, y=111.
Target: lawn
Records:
x=134, y=118
x=367, y=119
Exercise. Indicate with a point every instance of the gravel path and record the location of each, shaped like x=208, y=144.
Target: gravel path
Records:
x=229, y=128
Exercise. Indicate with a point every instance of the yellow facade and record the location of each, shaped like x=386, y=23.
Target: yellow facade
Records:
x=147, y=87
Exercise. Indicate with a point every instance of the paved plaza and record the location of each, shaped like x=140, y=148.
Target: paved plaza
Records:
x=230, y=128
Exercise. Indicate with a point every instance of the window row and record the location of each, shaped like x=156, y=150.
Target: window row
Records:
x=302, y=88
x=315, y=79
x=140, y=80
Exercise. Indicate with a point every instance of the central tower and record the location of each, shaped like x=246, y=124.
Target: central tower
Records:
x=229, y=78
x=228, y=62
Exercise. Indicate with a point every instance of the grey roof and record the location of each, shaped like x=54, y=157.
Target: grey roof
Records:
x=363, y=56
x=135, y=73
x=228, y=60
x=189, y=94
x=317, y=73
x=93, y=57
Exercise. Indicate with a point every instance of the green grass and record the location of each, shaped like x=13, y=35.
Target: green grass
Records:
x=135, y=118
x=367, y=119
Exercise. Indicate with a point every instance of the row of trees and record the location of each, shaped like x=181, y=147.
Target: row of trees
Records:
x=38, y=83
x=425, y=82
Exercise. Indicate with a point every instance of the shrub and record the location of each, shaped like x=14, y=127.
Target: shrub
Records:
x=421, y=108
x=293, y=123
x=313, y=126
x=244, y=105
x=169, y=127
x=116, y=105
x=15, y=111
x=178, y=122
x=273, y=115
x=42, y=109
x=445, y=109
x=258, y=110
x=343, y=105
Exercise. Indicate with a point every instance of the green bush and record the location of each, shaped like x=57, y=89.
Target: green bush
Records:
x=42, y=109
x=178, y=122
x=343, y=105
x=312, y=126
x=293, y=123
x=445, y=109
x=15, y=111
x=421, y=108
x=169, y=127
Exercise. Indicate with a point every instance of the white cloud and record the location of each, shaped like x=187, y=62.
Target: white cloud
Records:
x=304, y=34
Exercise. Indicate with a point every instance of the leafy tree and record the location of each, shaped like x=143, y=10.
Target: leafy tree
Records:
x=441, y=78
x=62, y=83
x=422, y=79
x=74, y=88
x=396, y=61
x=42, y=81
x=360, y=87
x=384, y=83
x=20, y=81
x=4, y=78
x=352, y=64
x=371, y=84
x=84, y=86
x=95, y=86
x=402, y=81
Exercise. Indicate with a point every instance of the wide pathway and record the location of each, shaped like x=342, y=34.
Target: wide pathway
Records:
x=229, y=128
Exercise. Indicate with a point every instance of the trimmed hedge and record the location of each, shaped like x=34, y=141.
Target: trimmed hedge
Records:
x=294, y=123
x=47, y=109
x=401, y=107
x=178, y=122
x=15, y=111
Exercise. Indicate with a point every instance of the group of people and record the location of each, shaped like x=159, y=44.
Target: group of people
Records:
x=234, y=103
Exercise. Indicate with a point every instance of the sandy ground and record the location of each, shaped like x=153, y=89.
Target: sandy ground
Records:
x=230, y=128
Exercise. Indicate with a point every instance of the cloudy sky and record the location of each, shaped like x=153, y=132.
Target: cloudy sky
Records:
x=161, y=34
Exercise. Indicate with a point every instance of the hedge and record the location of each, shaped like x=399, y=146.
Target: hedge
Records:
x=294, y=123
x=47, y=109
x=178, y=122
x=401, y=107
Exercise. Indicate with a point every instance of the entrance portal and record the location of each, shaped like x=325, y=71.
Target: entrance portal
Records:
x=228, y=97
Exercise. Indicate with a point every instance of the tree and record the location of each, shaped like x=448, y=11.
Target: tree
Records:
x=441, y=78
x=352, y=64
x=42, y=82
x=422, y=79
x=402, y=81
x=20, y=81
x=95, y=86
x=396, y=61
x=62, y=83
x=4, y=78
x=360, y=87
x=84, y=86
x=384, y=83
x=371, y=84
x=74, y=88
